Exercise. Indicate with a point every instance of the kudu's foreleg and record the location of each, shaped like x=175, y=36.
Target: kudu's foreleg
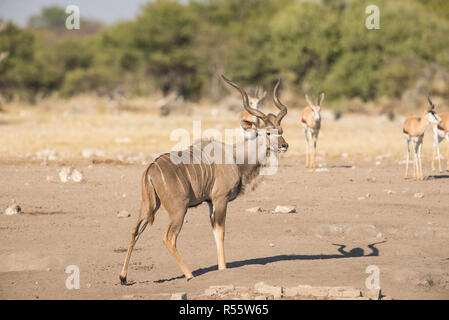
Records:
x=217, y=219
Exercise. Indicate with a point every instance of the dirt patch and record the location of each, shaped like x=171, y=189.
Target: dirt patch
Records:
x=329, y=241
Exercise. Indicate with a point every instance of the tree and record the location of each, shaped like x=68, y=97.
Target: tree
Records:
x=49, y=18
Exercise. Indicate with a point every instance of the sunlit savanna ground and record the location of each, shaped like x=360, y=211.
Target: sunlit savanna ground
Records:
x=138, y=133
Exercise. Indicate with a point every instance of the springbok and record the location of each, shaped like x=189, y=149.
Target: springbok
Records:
x=254, y=102
x=311, y=125
x=440, y=132
x=178, y=186
x=413, y=129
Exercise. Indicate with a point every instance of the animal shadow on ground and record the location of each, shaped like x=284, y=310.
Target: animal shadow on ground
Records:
x=443, y=176
x=353, y=253
x=340, y=166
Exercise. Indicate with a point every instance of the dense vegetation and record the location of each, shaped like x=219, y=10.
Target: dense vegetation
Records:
x=183, y=47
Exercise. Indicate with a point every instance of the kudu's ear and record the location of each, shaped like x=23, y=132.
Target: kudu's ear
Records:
x=247, y=124
x=249, y=128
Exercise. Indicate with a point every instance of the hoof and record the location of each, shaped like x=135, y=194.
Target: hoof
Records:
x=123, y=281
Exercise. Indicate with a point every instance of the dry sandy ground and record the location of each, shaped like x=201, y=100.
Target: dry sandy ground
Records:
x=77, y=224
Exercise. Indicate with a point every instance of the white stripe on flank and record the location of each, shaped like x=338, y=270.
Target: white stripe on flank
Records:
x=162, y=175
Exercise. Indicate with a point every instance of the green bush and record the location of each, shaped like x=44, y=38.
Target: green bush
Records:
x=183, y=47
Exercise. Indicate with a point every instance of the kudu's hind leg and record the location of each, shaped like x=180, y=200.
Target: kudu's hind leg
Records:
x=170, y=237
x=146, y=216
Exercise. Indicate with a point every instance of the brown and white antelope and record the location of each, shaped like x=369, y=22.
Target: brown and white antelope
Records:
x=254, y=102
x=413, y=129
x=178, y=186
x=440, y=132
x=311, y=125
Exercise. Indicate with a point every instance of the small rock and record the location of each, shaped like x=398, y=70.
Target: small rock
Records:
x=361, y=198
x=255, y=209
x=88, y=153
x=344, y=292
x=47, y=154
x=91, y=153
x=245, y=295
x=373, y=294
x=260, y=298
x=76, y=176
x=64, y=174
x=319, y=292
x=67, y=174
x=179, y=296
x=210, y=292
x=216, y=290
x=228, y=287
x=123, y=214
x=388, y=191
x=263, y=288
x=13, y=209
x=271, y=244
x=284, y=209
x=419, y=195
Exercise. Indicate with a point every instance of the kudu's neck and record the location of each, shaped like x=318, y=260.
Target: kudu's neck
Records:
x=250, y=155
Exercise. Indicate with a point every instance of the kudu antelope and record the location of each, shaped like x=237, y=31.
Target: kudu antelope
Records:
x=440, y=132
x=413, y=129
x=311, y=125
x=254, y=102
x=180, y=186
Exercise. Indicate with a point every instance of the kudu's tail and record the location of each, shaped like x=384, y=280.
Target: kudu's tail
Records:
x=150, y=200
